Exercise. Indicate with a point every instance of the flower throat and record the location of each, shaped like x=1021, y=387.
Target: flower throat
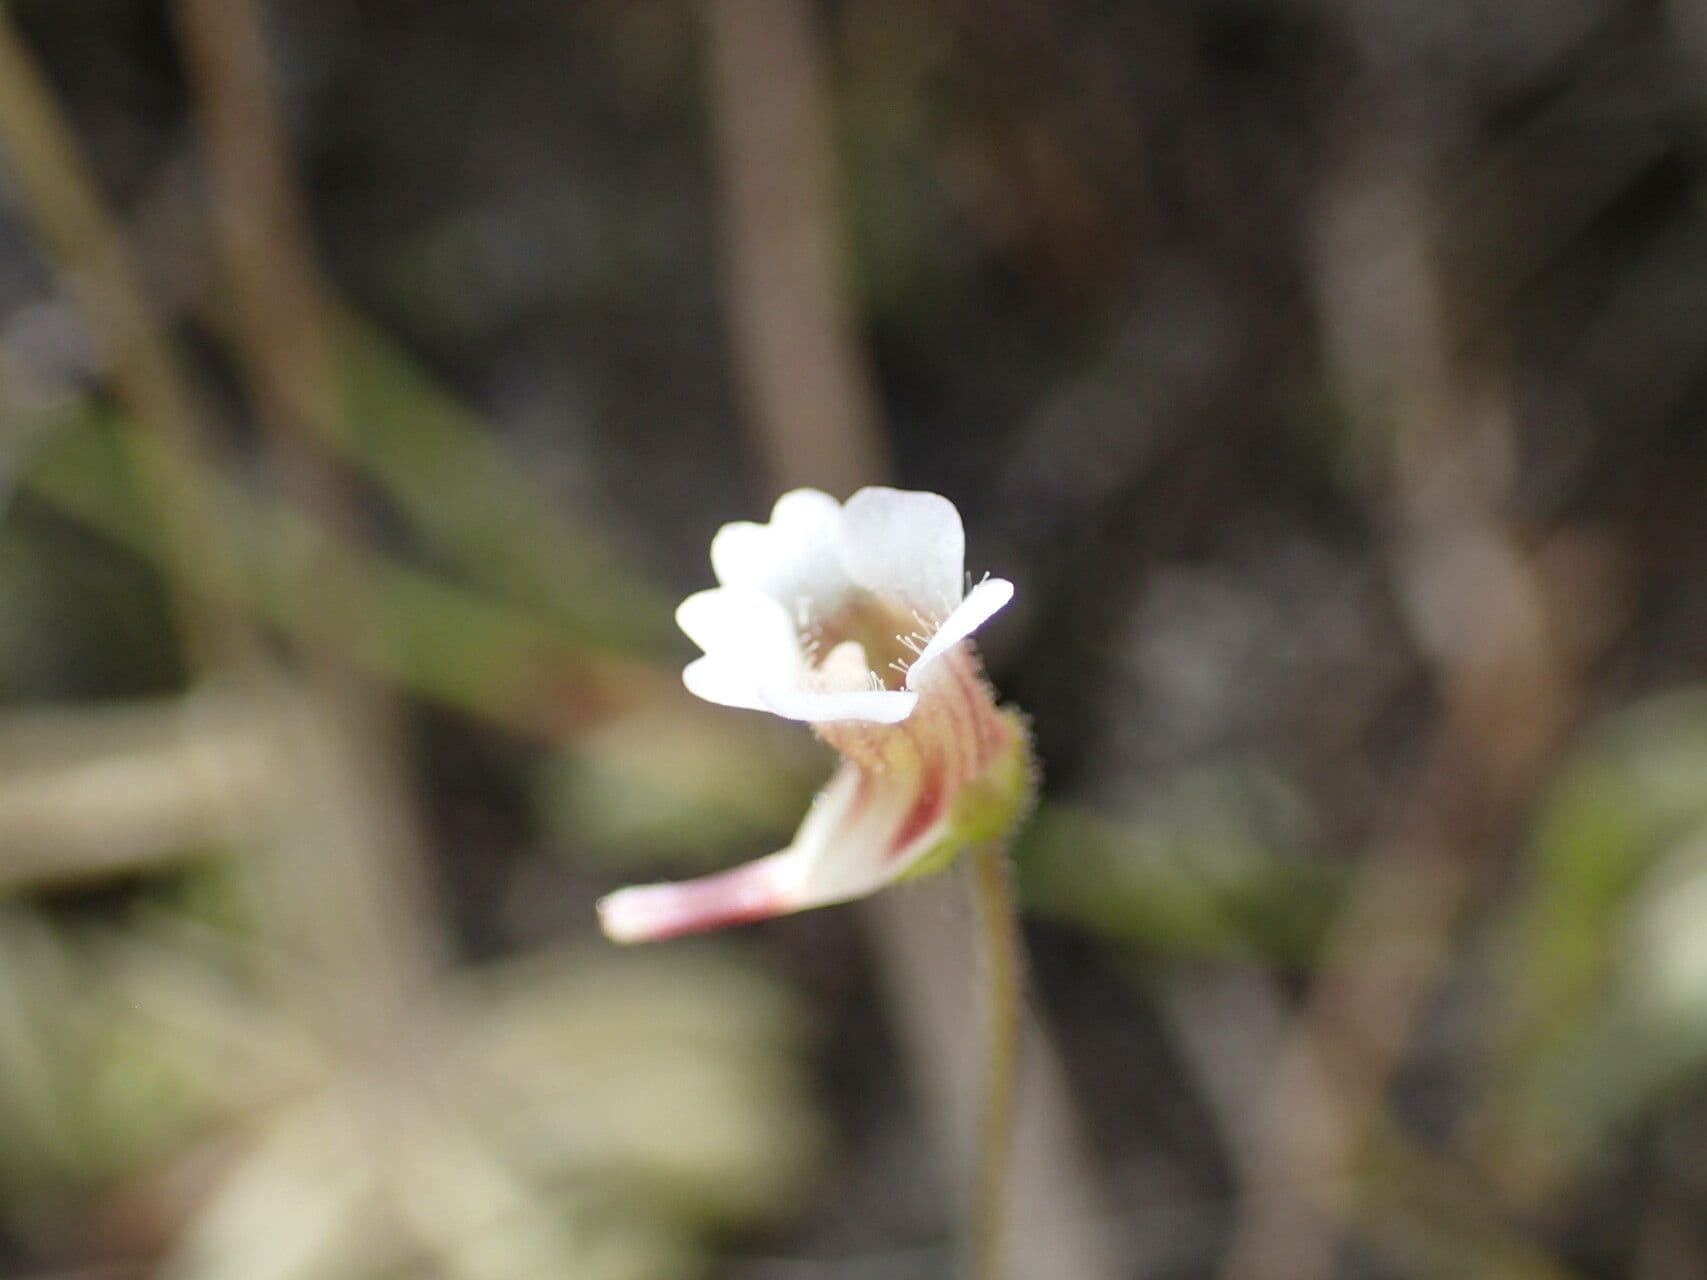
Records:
x=889, y=637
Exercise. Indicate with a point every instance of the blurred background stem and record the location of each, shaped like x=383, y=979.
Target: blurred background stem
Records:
x=62, y=201
x=809, y=398
x=1493, y=611
x=385, y=945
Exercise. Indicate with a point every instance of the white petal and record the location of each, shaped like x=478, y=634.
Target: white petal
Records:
x=748, y=641
x=791, y=559
x=726, y=683
x=973, y=612
x=876, y=706
x=745, y=626
x=906, y=546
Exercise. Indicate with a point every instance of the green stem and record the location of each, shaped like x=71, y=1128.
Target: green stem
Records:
x=999, y=918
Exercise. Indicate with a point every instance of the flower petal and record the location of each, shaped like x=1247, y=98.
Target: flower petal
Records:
x=791, y=559
x=905, y=546
x=876, y=706
x=726, y=683
x=973, y=612
x=744, y=626
x=748, y=641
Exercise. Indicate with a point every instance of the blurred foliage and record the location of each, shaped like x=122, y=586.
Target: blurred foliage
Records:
x=1603, y=1000
x=652, y=788
x=114, y=787
x=456, y=488
x=1212, y=870
x=434, y=637
x=579, y=1114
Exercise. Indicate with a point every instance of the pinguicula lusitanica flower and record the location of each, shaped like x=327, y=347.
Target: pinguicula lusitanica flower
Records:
x=855, y=619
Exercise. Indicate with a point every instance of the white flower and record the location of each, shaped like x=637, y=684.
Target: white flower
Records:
x=856, y=620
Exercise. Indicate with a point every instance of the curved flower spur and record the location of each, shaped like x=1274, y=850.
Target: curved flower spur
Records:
x=856, y=620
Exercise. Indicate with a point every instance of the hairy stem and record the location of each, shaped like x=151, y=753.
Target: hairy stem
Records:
x=999, y=917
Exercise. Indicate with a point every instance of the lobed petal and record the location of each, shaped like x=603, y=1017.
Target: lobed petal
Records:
x=905, y=546
x=748, y=641
x=728, y=684
x=792, y=559
x=742, y=625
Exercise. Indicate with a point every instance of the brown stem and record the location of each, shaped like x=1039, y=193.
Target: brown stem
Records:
x=811, y=400
x=1485, y=613
x=366, y=923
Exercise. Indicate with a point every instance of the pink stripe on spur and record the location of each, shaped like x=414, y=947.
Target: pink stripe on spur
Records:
x=927, y=807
